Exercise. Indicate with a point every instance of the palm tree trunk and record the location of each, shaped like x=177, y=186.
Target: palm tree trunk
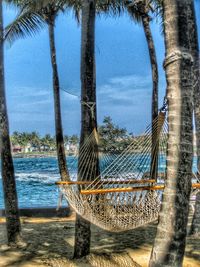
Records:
x=57, y=107
x=169, y=245
x=7, y=168
x=194, y=44
x=88, y=117
x=154, y=112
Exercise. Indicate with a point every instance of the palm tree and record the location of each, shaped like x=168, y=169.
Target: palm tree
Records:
x=32, y=18
x=139, y=11
x=51, y=13
x=169, y=245
x=88, y=100
x=7, y=168
x=88, y=120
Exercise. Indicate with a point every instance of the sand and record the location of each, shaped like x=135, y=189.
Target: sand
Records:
x=50, y=243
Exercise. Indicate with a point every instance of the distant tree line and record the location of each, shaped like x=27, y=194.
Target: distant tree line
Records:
x=37, y=141
x=112, y=137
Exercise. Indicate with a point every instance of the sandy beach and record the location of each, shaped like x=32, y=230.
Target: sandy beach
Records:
x=50, y=243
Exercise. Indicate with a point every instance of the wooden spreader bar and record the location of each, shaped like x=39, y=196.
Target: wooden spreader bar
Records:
x=105, y=182
x=119, y=190
x=127, y=189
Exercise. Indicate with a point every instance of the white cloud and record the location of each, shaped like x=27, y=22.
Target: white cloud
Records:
x=131, y=80
x=127, y=99
x=125, y=90
x=25, y=91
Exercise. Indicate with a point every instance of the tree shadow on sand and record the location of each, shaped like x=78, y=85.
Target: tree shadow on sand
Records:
x=51, y=243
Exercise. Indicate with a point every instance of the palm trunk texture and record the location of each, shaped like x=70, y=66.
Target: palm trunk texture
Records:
x=169, y=245
x=88, y=117
x=154, y=109
x=7, y=168
x=57, y=107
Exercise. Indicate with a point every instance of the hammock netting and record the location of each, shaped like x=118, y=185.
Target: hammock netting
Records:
x=116, y=191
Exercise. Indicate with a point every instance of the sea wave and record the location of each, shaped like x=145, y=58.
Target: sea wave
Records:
x=43, y=178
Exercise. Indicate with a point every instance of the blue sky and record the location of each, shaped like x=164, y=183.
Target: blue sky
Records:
x=123, y=75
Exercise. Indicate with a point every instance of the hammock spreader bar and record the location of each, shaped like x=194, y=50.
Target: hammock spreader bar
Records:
x=106, y=182
x=128, y=189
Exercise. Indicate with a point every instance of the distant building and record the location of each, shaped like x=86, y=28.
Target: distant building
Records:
x=23, y=149
x=72, y=148
x=17, y=149
x=45, y=148
x=29, y=148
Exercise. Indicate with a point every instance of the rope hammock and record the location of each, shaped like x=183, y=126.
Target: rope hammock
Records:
x=119, y=191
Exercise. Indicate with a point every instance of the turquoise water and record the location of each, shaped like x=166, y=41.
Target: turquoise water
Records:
x=36, y=179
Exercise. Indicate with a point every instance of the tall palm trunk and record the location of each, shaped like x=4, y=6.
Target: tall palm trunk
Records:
x=141, y=9
x=57, y=107
x=194, y=44
x=7, y=168
x=154, y=108
x=170, y=239
x=88, y=117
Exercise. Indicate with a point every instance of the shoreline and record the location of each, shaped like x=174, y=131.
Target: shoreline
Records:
x=50, y=155
x=45, y=212
x=37, y=155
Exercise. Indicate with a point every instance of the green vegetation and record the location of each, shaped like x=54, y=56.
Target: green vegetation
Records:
x=112, y=138
x=33, y=142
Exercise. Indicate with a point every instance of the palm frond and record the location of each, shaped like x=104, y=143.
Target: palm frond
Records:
x=158, y=7
x=113, y=7
x=26, y=24
x=134, y=10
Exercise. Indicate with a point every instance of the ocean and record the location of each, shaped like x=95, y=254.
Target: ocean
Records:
x=35, y=179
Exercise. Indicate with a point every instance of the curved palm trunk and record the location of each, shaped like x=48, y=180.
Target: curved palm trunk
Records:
x=154, y=112
x=88, y=118
x=194, y=44
x=57, y=107
x=7, y=168
x=169, y=243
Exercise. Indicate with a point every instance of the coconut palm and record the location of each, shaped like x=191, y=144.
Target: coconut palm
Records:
x=88, y=100
x=7, y=168
x=88, y=120
x=50, y=13
x=139, y=11
x=169, y=245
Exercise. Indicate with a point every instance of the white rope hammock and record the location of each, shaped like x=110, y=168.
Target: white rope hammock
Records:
x=118, y=192
x=108, y=192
